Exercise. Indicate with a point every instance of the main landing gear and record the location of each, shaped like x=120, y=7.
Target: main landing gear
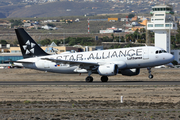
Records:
x=104, y=79
x=150, y=75
x=90, y=79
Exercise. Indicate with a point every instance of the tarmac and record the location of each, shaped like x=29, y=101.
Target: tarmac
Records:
x=90, y=83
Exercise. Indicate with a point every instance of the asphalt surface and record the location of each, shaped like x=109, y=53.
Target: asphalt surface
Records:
x=90, y=83
x=86, y=109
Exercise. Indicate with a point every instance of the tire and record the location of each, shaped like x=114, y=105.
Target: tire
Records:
x=150, y=76
x=104, y=79
x=89, y=79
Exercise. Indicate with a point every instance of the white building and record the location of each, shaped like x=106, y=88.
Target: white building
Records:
x=124, y=19
x=77, y=20
x=106, y=31
x=162, y=23
x=27, y=24
x=176, y=54
x=46, y=27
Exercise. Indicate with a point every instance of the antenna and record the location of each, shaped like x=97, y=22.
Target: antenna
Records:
x=63, y=39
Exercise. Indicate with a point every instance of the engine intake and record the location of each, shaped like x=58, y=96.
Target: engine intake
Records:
x=108, y=70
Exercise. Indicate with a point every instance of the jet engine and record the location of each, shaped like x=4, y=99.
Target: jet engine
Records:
x=108, y=70
x=130, y=72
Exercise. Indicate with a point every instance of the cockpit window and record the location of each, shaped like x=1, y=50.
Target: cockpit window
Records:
x=163, y=51
x=160, y=51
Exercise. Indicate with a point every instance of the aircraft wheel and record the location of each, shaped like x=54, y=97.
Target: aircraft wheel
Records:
x=150, y=76
x=89, y=79
x=104, y=79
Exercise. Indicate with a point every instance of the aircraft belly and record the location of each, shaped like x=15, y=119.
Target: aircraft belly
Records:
x=63, y=69
x=29, y=65
x=134, y=64
x=53, y=67
x=141, y=63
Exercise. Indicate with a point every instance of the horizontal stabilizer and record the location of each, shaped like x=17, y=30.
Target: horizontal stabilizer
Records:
x=23, y=62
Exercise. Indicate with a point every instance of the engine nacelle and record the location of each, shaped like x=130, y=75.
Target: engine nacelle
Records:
x=130, y=72
x=108, y=70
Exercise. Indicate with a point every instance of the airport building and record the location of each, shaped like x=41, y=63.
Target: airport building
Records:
x=162, y=23
x=176, y=54
x=7, y=57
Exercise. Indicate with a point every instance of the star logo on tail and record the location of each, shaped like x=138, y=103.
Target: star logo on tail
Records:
x=29, y=47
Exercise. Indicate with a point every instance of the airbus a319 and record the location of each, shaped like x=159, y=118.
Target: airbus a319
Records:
x=125, y=61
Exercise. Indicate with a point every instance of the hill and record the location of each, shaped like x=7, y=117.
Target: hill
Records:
x=54, y=9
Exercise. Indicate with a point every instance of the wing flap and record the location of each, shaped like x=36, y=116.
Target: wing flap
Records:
x=70, y=62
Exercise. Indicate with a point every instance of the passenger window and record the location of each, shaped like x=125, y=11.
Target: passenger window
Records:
x=160, y=51
x=156, y=52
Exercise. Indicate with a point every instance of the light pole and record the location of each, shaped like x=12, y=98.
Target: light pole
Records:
x=119, y=38
x=63, y=39
x=169, y=45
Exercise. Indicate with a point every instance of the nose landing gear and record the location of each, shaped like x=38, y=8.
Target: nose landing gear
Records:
x=150, y=75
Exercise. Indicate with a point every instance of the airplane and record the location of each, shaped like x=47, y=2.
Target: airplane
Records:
x=125, y=61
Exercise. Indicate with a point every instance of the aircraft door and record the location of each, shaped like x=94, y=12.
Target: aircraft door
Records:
x=145, y=53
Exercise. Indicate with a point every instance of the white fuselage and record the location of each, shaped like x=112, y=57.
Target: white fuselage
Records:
x=125, y=58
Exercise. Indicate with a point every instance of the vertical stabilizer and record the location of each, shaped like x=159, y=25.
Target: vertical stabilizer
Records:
x=29, y=47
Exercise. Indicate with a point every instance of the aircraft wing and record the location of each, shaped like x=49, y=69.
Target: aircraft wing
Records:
x=84, y=64
x=71, y=62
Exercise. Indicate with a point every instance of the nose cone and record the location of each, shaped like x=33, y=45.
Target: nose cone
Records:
x=170, y=57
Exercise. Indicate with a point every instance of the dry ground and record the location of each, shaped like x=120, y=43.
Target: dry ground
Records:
x=93, y=102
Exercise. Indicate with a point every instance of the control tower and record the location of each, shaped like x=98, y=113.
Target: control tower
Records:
x=162, y=23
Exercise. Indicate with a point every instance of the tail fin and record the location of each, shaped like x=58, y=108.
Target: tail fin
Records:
x=29, y=47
